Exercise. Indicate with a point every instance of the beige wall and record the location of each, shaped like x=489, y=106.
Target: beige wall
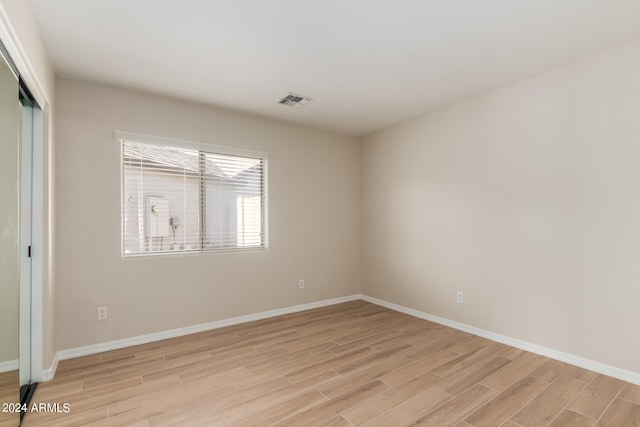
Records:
x=526, y=198
x=34, y=64
x=314, y=215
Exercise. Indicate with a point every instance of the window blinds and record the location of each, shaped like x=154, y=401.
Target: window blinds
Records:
x=184, y=200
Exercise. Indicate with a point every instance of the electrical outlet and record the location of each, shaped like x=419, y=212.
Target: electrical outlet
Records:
x=102, y=313
x=460, y=297
x=300, y=284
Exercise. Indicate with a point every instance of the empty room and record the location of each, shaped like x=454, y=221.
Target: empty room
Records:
x=320, y=213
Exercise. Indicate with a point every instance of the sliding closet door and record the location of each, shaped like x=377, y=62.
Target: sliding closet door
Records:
x=9, y=245
x=26, y=169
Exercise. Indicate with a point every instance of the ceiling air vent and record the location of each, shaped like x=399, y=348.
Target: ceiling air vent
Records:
x=295, y=100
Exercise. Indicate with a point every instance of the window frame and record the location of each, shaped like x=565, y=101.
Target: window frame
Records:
x=124, y=136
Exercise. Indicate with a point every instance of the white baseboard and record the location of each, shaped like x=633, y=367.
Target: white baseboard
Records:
x=612, y=371
x=602, y=368
x=9, y=365
x=49, y=373
x=157, y=336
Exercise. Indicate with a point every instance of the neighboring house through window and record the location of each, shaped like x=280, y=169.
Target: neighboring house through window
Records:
x=186, y=197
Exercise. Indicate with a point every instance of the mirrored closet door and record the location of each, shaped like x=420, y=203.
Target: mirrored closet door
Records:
x=9, y=246
x=16, y=146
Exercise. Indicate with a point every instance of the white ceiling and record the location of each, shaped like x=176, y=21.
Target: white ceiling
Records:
x=367, y=63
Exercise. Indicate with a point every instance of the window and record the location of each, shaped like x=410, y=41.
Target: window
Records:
x=182, y=198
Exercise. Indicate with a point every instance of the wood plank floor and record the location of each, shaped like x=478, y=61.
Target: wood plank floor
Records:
x=9, y=393
x=344, y=365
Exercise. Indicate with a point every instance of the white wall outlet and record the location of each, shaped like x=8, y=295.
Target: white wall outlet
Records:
x=460, y=297
x=300, y=284
x=102, y=313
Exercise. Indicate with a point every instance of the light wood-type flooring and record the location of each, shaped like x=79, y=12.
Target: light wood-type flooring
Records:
x=348, y=364
x=9, y=393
